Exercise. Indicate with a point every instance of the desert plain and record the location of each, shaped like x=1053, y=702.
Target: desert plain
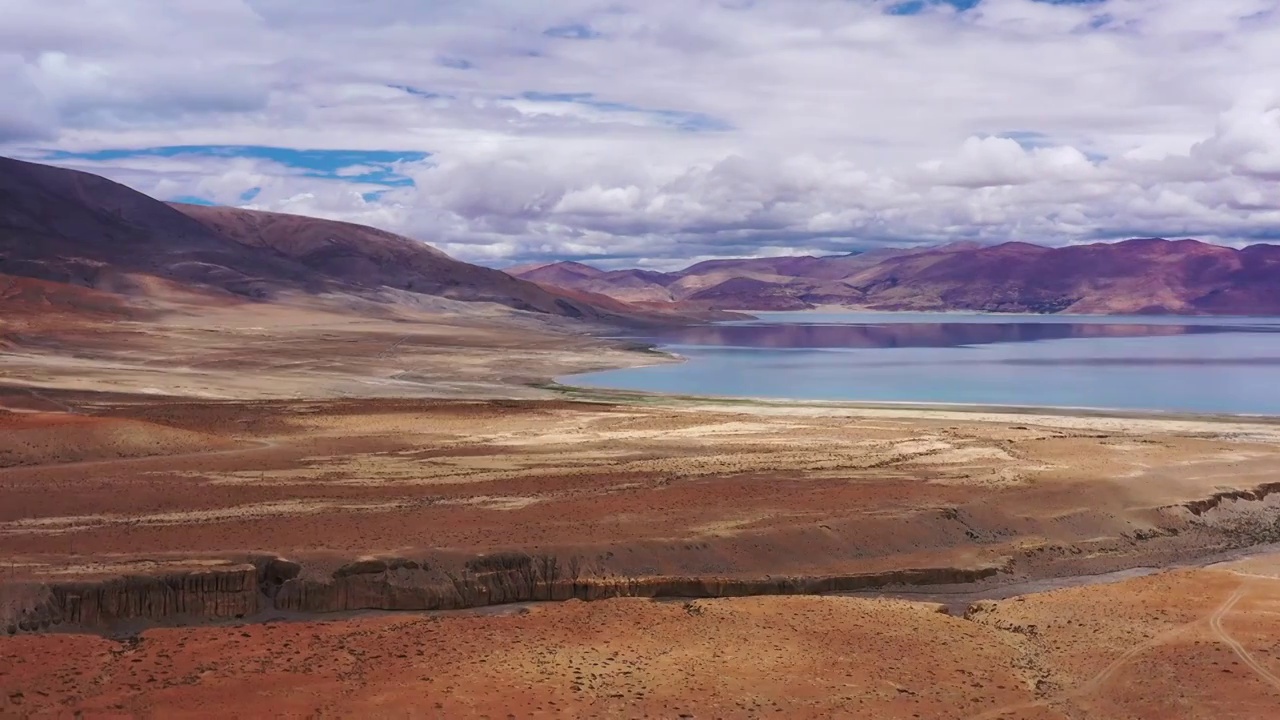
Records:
x=295, y=514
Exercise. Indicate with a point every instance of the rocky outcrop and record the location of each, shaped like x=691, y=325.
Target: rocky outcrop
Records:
x=515, y=578
x=1247, y=517
x=264, y=585
x=1258, y=494
x=213, y=594
x=261, y=587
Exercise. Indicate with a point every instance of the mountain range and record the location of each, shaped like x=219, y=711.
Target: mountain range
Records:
x=79, y=244
x=1139, y=276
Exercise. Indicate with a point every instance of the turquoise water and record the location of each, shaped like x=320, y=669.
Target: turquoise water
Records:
x=1212, y=365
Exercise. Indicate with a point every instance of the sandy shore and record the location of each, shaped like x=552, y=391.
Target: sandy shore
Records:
x=286, y=352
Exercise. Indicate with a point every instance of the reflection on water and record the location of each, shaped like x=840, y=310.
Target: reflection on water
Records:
x=915, y=335
x=1223, y=365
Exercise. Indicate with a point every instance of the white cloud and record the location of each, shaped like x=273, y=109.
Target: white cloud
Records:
x=25, y=113
x=995, y=161
x=1247, y=139
x=678, y=128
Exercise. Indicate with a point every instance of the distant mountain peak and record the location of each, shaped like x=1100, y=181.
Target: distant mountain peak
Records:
x=960, y=246
x=1140, y=275
x=572, y=265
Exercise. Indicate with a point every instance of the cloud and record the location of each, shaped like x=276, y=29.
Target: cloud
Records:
x=984, y=162
x=592, y=109
x=25, y=114
x=1247, y=140
x=659, y=131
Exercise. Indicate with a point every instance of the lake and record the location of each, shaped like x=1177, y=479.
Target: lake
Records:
x=1181, y=364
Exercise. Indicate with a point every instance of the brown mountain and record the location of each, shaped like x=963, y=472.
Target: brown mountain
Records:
x=80, y=229
x=1142, y=276
x=365, y=257
x=627, y=285
x=72, y=230
x=774, y=283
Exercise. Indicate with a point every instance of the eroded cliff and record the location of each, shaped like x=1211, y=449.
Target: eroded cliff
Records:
x=265, y=585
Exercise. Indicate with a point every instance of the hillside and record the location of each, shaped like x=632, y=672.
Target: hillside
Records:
x=80, y=229
x=1141, y=276
x=75, y=231
x=364, y=257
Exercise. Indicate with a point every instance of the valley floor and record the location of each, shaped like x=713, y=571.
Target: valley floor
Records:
x=174, y=538
x=1186, y=644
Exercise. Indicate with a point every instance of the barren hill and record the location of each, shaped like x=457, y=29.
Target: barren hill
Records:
x=1144, y=276
x=78, y=230
x=365, y=257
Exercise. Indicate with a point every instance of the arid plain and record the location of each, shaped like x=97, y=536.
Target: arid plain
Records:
x=303, y=515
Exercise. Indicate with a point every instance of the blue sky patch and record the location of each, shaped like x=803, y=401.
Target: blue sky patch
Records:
x=424, y=94
x=418, y=92
x=678, y=119
x=1028, y=139
x=376, y=167
x=456, y=63
x=571, y=31
x=192, y=200
x=915, y=7
x=1032, y=140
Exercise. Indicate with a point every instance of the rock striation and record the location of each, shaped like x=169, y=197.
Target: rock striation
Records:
x=208, y=594
x=266, y=584
x=261, y=587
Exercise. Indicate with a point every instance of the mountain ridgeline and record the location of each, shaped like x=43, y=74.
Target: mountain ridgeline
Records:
x=71, y=240
x=1142, y=276
x=76, y=241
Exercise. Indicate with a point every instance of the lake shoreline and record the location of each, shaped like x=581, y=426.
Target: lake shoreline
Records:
x=845, y=309
x=1116, y=366
x=623, y=396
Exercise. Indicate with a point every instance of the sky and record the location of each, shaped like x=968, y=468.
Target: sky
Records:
x=657, y=133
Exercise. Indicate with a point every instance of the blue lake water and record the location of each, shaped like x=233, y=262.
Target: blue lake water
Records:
x=1211, y=365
